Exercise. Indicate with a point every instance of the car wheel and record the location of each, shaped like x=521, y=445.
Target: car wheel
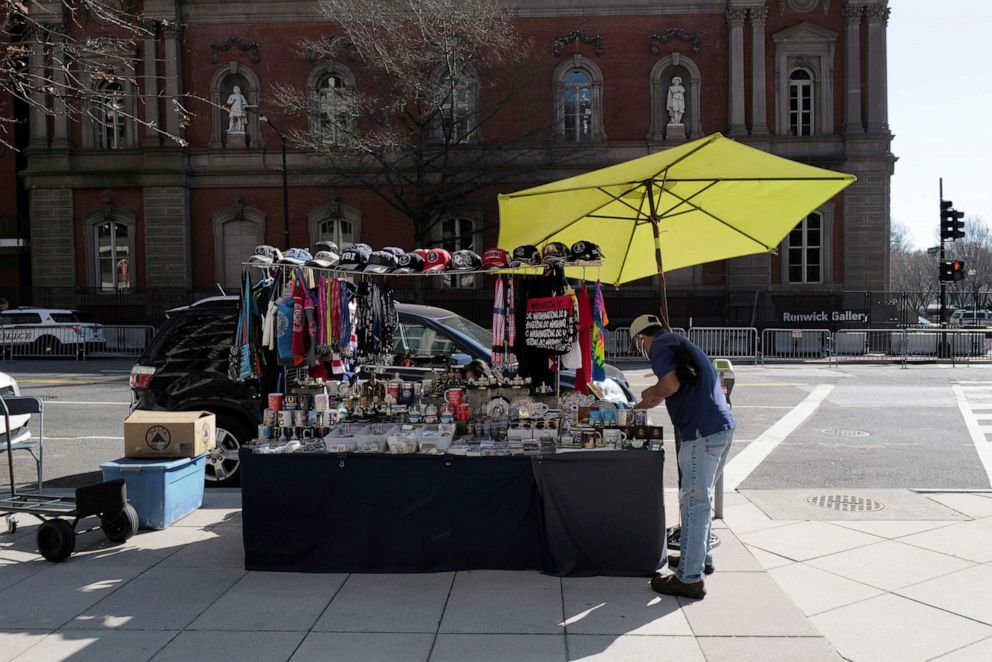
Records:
x=223, y=464
x=48, y=346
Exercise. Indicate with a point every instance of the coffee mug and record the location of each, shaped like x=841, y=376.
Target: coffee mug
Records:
x=454, y=396
x=286, y=419
x=320, y=401
x=333, y=388
x=625, y=417
x=614, y=437
x=591, y=438
x=275, y=401
x=537, y=409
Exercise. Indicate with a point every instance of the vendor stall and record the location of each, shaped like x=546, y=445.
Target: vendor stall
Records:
x=476, y=466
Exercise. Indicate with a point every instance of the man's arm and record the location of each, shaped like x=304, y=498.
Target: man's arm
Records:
x=653, y=396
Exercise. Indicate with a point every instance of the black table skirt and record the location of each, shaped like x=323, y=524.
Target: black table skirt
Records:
x=567, y=514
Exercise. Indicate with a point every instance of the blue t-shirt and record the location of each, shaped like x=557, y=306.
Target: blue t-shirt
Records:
x=697, y=410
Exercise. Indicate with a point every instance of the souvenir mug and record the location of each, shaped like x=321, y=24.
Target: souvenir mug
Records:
x=286, y=419
x=321, y=401
x=332, y=388
x=264, y=432
x=406, y=393
x=270, y=418
x=463, y=412
x=614, y=437
x=333, y=416
x=591, y=438
x=290, y=402
x=625, y=417
x=640, y=417
x=299, y=418
x=454, y=396
x=275, y=401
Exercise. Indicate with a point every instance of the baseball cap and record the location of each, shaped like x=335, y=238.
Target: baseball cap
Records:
x=525, y=255
x=265, y=255
x=324, y=260
x=327, y=246
x=381, y=262
x=554, y=252
x=465, y=260
x=644, y=323
x=495, y=258
x=586, y=251
x=355, y=257
x=296, y=256
x=435, y=259
x=409, y=263
x=394, y=251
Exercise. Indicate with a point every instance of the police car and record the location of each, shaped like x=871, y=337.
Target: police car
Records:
x=48, y=331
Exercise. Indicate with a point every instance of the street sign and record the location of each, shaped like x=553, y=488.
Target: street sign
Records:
x=933, y=250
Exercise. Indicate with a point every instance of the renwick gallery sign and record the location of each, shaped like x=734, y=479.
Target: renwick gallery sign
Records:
x=824, y=316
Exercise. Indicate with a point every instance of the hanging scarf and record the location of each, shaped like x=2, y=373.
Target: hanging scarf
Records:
x=499, y=325
x=599, y=324
x=511, y=324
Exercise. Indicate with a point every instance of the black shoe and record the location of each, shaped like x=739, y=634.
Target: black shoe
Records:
x=670, y=585
x=673, y=562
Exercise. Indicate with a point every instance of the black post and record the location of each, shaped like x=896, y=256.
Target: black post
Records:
x=943, y=285
x=285, y=193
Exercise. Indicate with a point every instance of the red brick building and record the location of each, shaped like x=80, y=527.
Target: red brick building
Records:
x=127, y=223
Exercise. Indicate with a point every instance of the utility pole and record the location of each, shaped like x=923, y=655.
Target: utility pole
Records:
x=943, y=285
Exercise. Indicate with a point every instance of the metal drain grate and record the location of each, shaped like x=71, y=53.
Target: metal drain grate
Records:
x=845, y=432
x=846, y=503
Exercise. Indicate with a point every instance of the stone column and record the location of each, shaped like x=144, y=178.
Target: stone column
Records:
x=173, y=77
x=853, y=118
x=167, y=237
x=759, y=95
x=53, y=252
x=60, y=123
x=38, y=117
x=878, y=112
x=735, y=21
x=149, y=83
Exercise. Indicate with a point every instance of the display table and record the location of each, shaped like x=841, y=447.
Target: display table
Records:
x=568, y=514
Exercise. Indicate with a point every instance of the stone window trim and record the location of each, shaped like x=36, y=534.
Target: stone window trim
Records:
x=799, y=84
x=476, y=217
x=475, y=100
x=826, y=213
x=596, y=75
x=317, y=75
x=238, y=211
x=220, y=117
x=90, y=222
x=334, y=211
x=93, y=125
x=811, y=47
x=660, y=79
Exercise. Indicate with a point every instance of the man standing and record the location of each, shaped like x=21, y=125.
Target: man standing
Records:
x=690, y=389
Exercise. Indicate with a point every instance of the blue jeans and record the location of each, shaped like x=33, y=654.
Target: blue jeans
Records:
x=699, y=460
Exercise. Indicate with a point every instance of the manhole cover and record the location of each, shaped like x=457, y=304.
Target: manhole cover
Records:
x=845, y=432
x=846, y=503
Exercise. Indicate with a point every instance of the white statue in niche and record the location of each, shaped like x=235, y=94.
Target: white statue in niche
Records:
x=676, y=101
x=236, y=104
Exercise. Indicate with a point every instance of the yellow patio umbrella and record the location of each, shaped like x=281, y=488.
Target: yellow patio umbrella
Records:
x=709, y=199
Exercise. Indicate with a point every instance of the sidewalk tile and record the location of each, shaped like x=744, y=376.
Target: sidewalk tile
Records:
x=491, y=601
x=807, y=540
x=223, y=548
x=144, y=550
x=727, y=609
x=767, y=560
x=205, y=517
x=620, y=605
x=747, y=517
x=98, y=646
x=980, y=652
x=968, y=593
x=271, y=601
x=51, y=597
x=815, y=590
x=966, y=540
x=388, y=603
x=889, y=565
x=732, y=556
x=364, y=647
x=734, y=499
x=598, y=648
x=893, y=528
x=12, y=572
x=15, y=642
x=499, y=648
x=971, y=505
x=893, y=629
x=231, y=646
x=159, y=599
x=767, y=649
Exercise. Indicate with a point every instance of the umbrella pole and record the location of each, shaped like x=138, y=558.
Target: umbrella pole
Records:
x=661, y=273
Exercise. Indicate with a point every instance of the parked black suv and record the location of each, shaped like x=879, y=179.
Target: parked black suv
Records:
x=185, y=368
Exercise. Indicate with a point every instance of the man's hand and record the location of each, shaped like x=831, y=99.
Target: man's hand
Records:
x=653, y=396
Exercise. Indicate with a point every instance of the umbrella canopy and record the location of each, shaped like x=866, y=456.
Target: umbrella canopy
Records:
x=706, y=200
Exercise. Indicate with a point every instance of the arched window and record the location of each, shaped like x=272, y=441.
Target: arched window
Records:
x=110, y=116
x=579, y=101
x=801, y=103
x=110, y=240
x=335, y=222
x=460, y=233
x=457, y=105
x=332, y=108
x=806, y=251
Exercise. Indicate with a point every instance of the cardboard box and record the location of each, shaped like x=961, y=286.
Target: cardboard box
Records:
x=164, y=434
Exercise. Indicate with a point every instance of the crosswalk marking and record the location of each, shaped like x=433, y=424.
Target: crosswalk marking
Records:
x=973, y=402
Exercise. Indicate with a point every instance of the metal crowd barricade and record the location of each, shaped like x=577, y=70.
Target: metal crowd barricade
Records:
x=74, y=341
x=729, y=342
x=868, y=345
x=122, y=340
x=795, y=344
x=617, y=343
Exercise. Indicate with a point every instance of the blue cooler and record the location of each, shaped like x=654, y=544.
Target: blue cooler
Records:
x=162, y=491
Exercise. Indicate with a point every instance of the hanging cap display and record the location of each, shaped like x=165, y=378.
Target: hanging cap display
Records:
x=409, y=263
x=265, y=255
x=465, y=260
x=495, y=258
x=327, y=247
x=324, y=260
x=555, y=252
x=355, y=257
x=435, y=259
x=525, y=256
x=296, y=256
x=394, y=251
x=381, y=262
x=586, y=251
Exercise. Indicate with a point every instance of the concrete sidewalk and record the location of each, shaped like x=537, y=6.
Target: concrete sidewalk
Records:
x=784, y=590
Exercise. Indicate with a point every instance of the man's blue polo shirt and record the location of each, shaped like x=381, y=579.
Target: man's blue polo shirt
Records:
x=697, y=410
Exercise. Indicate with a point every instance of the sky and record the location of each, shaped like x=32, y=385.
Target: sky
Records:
x=940, y=110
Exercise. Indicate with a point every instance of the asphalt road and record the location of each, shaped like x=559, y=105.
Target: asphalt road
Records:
x=811, y=426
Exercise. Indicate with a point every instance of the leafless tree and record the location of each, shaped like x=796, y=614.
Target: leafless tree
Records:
x=975, y=250
x=913, y=272
x=433, y=75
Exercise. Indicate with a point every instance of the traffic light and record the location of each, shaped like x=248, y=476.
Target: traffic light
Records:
x=951, y=271
x=951, y=227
